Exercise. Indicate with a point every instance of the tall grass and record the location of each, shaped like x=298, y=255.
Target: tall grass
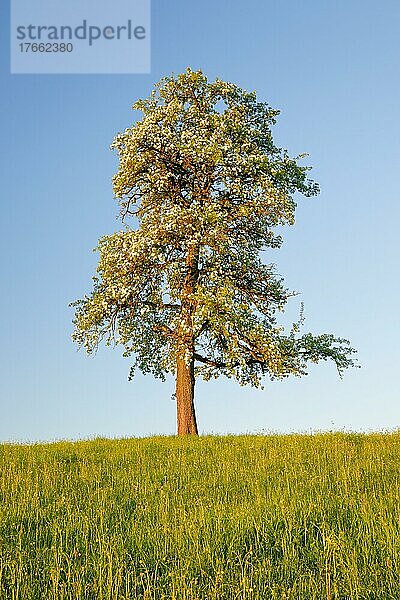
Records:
x=248, y=517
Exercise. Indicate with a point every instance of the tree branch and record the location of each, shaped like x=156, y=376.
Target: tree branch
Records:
x=209, y=361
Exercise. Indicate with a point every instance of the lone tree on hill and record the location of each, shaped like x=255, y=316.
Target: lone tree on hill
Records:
x=185, y=290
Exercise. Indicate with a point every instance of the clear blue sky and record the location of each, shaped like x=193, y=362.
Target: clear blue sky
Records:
x=333, y=70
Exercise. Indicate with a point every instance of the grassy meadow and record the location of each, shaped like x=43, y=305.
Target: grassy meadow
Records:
x=235, y=517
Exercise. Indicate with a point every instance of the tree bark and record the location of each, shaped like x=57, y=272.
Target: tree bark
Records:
x=185, y=381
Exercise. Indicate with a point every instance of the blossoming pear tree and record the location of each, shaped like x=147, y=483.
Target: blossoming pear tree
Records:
x=183, y=288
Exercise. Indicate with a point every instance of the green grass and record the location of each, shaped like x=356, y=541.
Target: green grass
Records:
x=249, y=517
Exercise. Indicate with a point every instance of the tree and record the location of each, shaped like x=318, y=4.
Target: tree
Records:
x=184, y=289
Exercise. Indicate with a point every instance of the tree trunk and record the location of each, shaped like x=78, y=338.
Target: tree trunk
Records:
x=185, y=380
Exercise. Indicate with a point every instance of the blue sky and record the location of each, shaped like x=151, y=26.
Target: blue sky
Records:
x=333, y=70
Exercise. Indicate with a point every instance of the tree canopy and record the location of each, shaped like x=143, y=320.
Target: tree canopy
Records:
x=182, y=286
